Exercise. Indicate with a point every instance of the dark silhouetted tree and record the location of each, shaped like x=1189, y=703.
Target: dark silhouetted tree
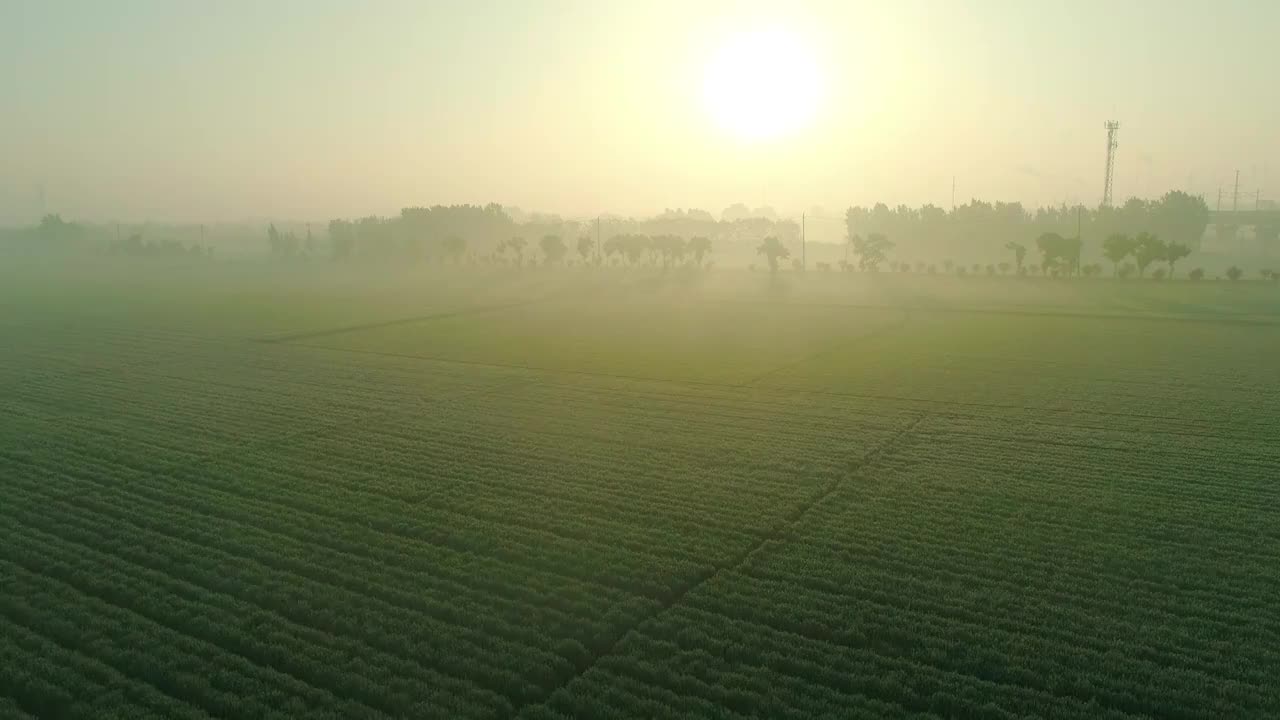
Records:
x=773, y=251
x=1147, y=248
x=700, y=246
x=1019, y=254
x=1234, y=273
x=553, y=248
x=517, y=245
x=1059, y=254
x=1179, y=217
x=1116, y=248
x=1173, y=252
x=872, y=251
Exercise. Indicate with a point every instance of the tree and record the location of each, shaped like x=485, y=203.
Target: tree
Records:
x=700, y=246
x=1196, y=274
x=635, y=247
x=773, y=250
x=454, y=246
x=871, y=251
x=948, y=265
x=1126, y=270
x=585, y=246
x=670, y=248
x=1234, y=273
x=1180, y=217
x=1019, y=253
x=1157, y=274
x=1004, y=268
x=1059, y=253
x=517, y=245
x=615, y=245
x=553, y=248
x=1147, y=249
x=1116, y=248
x=1173, y=252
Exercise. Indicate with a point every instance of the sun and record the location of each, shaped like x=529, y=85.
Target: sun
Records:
x=762, y=85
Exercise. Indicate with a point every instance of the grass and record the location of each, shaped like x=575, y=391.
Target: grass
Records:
x=237, y=491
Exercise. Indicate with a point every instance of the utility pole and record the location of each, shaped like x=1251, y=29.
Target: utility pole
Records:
x=1219, y=208
x=1235, y=194
x=804, y=260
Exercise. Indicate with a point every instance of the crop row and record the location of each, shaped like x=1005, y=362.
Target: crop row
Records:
x=282, y=631
x=1010, y=602
x=1050, y=656
x=46, y=679
x=464, y=618
x=464, y=573
x=111, y=627
x=754, y=659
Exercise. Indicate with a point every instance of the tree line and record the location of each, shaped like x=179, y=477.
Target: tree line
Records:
x=981, y=230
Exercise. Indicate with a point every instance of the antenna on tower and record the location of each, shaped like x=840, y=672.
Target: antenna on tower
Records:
x=1112, y=126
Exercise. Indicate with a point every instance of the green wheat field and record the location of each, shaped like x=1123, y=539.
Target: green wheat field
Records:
x=591, y=493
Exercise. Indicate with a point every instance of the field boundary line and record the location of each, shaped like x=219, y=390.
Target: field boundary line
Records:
x=740, y=560
x=874, y=334
x=289, y=338
x=776, y=389
x=1220, y=319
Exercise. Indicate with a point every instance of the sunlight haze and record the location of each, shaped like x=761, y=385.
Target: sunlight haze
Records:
x=231, y=110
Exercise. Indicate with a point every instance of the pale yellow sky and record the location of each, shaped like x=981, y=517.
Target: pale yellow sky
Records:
x=310, y=109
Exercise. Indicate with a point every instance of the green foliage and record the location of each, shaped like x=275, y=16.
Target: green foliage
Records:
x=1147, y=248
x=1019, y=254
x=553, y=249
x=1061, y=255
x=1116, y=248
x=462, y=492
x=773, y=251
x=871, y=251
x=586, y=248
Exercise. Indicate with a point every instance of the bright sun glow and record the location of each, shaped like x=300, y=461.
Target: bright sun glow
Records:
x=762, y=85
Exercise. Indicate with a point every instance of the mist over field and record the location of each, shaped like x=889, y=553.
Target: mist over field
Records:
x=620, y=360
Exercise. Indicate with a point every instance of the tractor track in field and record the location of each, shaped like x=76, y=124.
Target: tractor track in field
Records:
x=740, y=560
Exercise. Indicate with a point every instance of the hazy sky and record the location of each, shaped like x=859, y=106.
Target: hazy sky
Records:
x=311, y=109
